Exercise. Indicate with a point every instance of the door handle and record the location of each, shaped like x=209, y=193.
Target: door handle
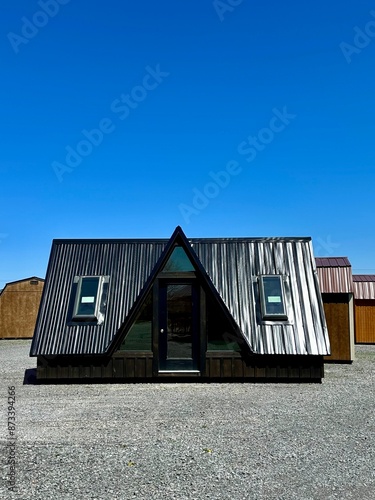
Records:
x=162, y=330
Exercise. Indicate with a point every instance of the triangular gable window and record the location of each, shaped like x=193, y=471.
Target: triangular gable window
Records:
x=139, y=336
x=178, y=262
x=221, y=335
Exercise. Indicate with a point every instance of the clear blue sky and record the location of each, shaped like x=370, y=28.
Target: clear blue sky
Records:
x=265, y=91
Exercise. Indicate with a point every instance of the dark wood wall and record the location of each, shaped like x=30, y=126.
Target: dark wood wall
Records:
x=340, y=325
x=218, y=366
x=129, y=365
x=365, y=321
x=278, y=367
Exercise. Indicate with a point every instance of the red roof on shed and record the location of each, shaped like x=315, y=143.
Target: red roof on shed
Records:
x=332, y=262
x=335, y=274
x=363, y=277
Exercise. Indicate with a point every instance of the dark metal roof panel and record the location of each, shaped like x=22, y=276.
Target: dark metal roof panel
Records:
x=128, y=265
x=363, y=277
x=364, y=286
x=332, y=262
x=232, y=265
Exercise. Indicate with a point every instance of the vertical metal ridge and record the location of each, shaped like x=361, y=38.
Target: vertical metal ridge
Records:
x=364, y=286
x=234, y=266
x=128, y=264
x=335, y=279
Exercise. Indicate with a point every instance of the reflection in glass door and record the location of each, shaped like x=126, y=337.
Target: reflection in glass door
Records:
x=178, y=338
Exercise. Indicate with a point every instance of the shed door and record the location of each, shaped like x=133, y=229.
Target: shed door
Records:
x=178, y=326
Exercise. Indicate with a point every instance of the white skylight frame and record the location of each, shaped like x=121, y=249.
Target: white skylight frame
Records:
x=94, y=315
x=275, y=301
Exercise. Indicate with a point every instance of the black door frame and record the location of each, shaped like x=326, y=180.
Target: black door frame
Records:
x=178, y=364
x=199, y=313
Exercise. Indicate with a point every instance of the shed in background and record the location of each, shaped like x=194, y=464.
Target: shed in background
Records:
x=364, y=296
x=336, y=285
x=19, y=304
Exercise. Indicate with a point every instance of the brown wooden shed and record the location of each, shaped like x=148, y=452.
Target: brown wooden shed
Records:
x=364, y=296
x=336, y=285
x=19, y=304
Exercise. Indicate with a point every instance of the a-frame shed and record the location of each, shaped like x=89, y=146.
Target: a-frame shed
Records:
x=218, y=308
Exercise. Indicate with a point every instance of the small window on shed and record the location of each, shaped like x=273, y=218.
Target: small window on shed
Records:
x=272, y=297
x=34, y=282
x=90, y=299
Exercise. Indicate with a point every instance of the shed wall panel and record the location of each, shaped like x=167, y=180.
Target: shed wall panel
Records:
x=365, y=321
x=336, y=307
x=364, y=290
x=19, y=305
x=335, y=279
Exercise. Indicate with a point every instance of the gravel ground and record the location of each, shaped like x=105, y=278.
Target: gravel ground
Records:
x=193, y=441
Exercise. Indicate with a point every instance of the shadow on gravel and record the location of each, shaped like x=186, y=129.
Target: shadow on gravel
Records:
x=30, y=377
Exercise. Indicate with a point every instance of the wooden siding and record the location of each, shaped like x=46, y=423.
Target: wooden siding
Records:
x=19, y=305
x=120, y=366
x=338, y=309
x=231, y=365
x=218, y=366
x=365, y=321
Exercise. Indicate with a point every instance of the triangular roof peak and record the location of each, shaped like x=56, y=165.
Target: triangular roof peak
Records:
x=25, y=279
x=11, y=283
x=178, y=238
x=178, y=233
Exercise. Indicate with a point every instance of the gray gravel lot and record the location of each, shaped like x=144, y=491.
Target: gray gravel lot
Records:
x=193, y=441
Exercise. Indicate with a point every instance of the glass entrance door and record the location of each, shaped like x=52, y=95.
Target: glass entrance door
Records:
x=178, y=326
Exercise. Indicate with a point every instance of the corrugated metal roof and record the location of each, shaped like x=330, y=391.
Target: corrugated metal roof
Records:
x=232, y=266
x=128, y=263
x=364, y=277
x=364, y=286
x=332, y=262
x=335, y=274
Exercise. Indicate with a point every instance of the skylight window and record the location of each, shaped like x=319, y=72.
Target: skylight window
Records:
x=90, y=299
x=272, y=297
